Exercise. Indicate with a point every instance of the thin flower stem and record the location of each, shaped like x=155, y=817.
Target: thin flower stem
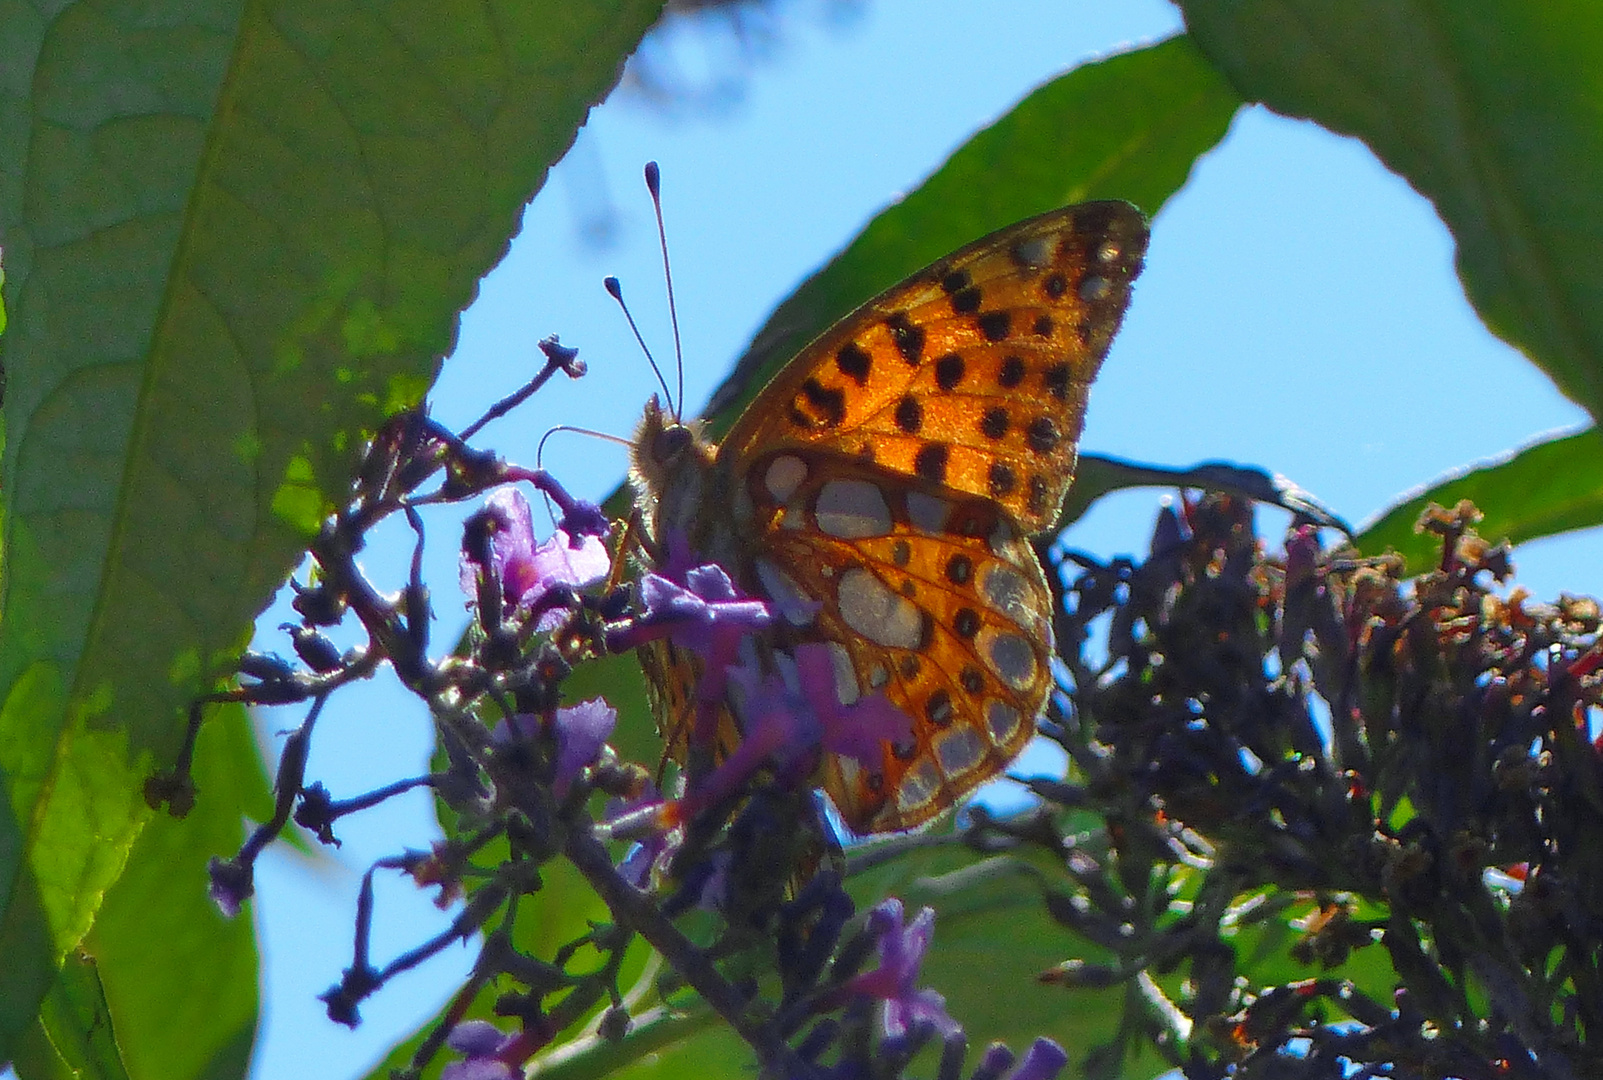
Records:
x=593, y=1055
x=373, y=798
x=558, y=357
x=636, y=910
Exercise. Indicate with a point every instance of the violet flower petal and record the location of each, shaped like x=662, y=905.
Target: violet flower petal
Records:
x=857, y=730
x=895, y=980
x=476, y=1038
x=582, y=730
x=529, y=571
x=1042, y=1061
x=479, y=1069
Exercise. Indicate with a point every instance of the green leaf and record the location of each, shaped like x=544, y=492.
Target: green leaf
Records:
x=1493, y=111
x=237, y=236
x=993, y=938
x=619, y=679
x=1099, y=475
x=1549, y=487
x=170, y=962
x=1129, y=127
x=74, y=1038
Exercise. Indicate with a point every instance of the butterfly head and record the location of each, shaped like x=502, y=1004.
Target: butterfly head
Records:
x=668, y=455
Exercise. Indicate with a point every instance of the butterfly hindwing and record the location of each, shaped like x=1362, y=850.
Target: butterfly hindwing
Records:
x=933, y=599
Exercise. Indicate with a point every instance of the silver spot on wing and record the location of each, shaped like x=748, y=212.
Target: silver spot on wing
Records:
x=846, y=688
x=785, y=474
x=1012, y=658
x=917, y=787
x=795, y=606
x=958, y=751
x=852, y=509
x=927, y=513
x=1006, y=590
x=1003, y=720
x=869, y=607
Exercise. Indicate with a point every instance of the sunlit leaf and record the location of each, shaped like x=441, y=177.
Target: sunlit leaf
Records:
x=1493, y=110
x=1549, y=487
x=237, y=236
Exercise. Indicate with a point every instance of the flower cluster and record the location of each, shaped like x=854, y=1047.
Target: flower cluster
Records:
x=729, y=872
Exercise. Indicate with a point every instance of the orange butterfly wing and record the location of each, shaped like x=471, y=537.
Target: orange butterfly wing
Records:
x=882, y=488
x=973, y=373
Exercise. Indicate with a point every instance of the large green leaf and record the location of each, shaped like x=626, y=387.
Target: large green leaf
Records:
x=1550, y=487
x=161, y=959
x=1493, y=110
x=236, y=236
x=168, y=959
x=1129, y=127
x=75, y=1038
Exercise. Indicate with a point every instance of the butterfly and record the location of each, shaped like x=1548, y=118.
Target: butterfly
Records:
x=880, y=493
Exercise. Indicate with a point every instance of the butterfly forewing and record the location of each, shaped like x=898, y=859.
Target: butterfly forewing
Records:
x=972, y=374
x=880, y=493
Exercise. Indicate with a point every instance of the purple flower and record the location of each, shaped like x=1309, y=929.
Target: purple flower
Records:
x=1042, y=1061
x=232, y=883
x=638, y=865
x=480, y=1043
x=581, y=731
x=529, y=571
x=700, y=609
x=791, y=717
x=705, y=614
x=901, y=953
x=579, y=516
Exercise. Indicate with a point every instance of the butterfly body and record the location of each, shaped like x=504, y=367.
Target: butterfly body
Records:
x=881, y=490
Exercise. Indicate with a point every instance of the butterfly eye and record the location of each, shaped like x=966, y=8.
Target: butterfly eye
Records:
x=671, y=442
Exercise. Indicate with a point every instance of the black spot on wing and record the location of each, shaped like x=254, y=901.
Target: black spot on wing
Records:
x=1056, y=381
x=930, y=461
x=993, y=425
x=825, y=406
x=908, y=338
x=1035, y=502
x=1042, y=435
x=1011, y=373
x=854, y=363
x=996, y=325
x=909, y=415
x=966, y=622
x=1002, y=479
x=972, y=680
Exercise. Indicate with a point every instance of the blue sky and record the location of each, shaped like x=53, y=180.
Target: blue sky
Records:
x=1299, y=311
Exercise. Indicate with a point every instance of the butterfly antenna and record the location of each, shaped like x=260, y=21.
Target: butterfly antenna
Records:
x=654, y=185
x=539, y=454
x=539, y=449
x=615, y=290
